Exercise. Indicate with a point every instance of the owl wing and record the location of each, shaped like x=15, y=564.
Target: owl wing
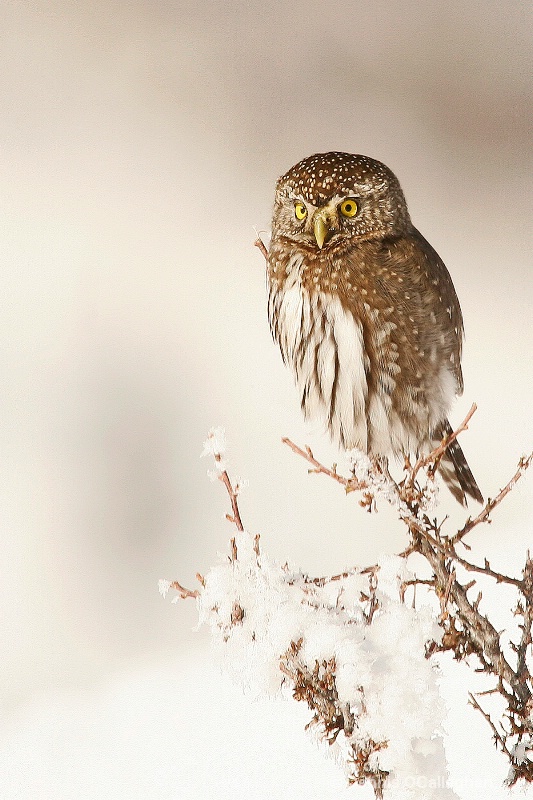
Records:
x=409, y=261
x=437, y=275
x=406, y=267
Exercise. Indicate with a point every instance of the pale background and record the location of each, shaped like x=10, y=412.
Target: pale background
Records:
x=140, y=143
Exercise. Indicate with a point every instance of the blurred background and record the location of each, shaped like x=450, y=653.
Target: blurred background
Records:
x=140, y=144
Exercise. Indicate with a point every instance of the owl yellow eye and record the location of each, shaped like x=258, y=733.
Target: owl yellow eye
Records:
x=300, y=211
x=349, y=208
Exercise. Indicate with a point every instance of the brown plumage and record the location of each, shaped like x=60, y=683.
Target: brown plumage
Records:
x=365, y=312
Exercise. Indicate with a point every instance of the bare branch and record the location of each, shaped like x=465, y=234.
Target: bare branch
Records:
x=182, y=591
x=234, y=554
x=436, y=454
x=414, y=582
x=498, y=738
x=483, y=516
x=499, y=577
x=236, y=517
x=350, y=484
x=262, y=247
x=525, y=609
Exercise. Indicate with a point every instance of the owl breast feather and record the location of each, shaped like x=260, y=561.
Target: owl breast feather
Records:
x=344, y=380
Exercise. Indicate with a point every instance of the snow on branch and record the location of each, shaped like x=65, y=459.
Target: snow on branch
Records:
x=349, y=645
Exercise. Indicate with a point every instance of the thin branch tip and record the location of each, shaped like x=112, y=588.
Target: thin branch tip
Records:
x=261, y=245
x=183, y=592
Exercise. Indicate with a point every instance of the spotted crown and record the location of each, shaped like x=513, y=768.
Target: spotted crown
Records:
x=322, y=176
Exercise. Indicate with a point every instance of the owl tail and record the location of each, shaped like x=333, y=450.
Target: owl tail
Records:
x=454, y=468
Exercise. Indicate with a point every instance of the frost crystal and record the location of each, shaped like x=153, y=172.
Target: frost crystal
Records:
x=520, y=751
x=215, y=444
x=359, y=463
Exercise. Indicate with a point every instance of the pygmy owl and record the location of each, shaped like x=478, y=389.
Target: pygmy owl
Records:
x=365, y=312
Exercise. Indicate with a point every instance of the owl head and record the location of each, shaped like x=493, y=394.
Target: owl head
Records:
x=329, y=198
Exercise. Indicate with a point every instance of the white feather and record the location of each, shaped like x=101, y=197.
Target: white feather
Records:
x=323, y=344
x=352, y=388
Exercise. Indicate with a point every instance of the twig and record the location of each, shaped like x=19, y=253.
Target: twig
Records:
x=261, y=245
x=328, y=579
x=414, y=582
x=499, y=577
x=183, y=592
x=234, y=553
x=483, y=516
x=526, y=610
x=236, y=517
x=446, y=596
x=483, y=638
x=439, y=451
x=497, y=735
x=352, y=484
x=318, y=468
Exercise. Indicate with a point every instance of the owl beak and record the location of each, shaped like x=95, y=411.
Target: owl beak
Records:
x=320, y=229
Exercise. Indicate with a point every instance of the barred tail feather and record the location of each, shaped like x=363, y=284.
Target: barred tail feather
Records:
x=454, y=468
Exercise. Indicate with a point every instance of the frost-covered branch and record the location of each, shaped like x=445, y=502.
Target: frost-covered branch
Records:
x=351, y=647
x=350, y=484
x=466, y=630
